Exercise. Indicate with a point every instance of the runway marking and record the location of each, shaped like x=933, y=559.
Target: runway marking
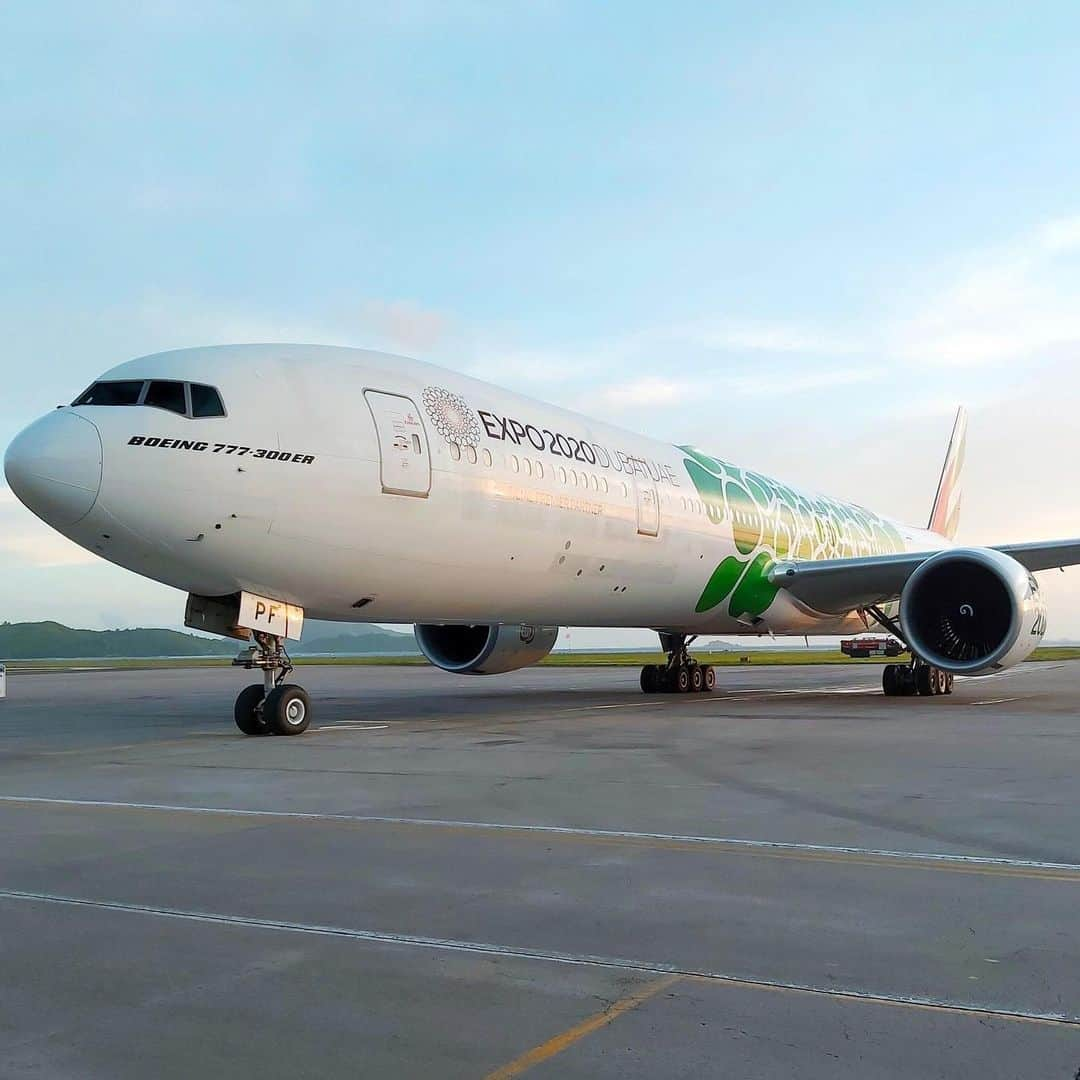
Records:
x=564, y=1040
x=994, y=701
x=962, y=864
x=613, y=963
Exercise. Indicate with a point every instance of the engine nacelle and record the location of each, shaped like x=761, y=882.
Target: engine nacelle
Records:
x=972, y=611
x=485, y=650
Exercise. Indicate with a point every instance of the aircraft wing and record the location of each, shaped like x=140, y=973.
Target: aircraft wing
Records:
x=837, y=586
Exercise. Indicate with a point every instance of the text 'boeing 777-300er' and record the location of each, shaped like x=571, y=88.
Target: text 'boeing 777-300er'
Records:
x=273, y=481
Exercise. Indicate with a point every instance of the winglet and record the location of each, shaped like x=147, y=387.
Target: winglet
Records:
x=945, y=516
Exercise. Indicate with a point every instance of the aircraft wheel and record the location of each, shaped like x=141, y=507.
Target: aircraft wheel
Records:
x=708, y=678
x=924, y=681
x=682, y=681
x=287, y=710
x=948, y=683
x=941, y=681
x=890, y=680
x=650, y=679
x=697, y=679
x=250, y=719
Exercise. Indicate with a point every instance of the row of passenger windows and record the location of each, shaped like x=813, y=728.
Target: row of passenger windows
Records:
x=533, y=468
x=184, y=399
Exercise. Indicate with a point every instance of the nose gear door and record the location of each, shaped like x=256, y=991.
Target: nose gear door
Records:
x=403, y=446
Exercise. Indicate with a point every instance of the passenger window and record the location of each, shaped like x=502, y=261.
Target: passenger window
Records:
x=528, y=467
x=487, y=458
x=540, y=470
x=455, y=451
x=470, y=453
x=167, y=395
x=111, y=393
x=205, y=401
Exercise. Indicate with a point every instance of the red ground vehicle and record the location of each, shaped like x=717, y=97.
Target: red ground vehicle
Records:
x=861, y=647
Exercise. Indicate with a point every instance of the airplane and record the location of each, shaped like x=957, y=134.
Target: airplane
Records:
x=275, y=482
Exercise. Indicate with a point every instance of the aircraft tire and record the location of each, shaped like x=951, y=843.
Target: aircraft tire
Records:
x=941, y=681
x=708, y=678
x=650, y=679
x=925, y=682
x=949, y=683
x=697, y=679
x=890, y=680
x=249, y=719
x=681, y=681
x=287, y=710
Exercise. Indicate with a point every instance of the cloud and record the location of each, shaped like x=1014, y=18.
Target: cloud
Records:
x=30, y=542
x=649, y=390
x=405, y=323
x=1014, y=302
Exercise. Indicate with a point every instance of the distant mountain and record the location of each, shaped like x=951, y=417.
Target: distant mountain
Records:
x=52, y=640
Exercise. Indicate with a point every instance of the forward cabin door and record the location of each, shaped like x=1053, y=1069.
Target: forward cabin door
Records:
x=648, y=507
x=403, y=446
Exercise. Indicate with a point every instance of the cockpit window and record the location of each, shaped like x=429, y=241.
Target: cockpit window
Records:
x=167, y=395
x=111, y=393
x=205, y=401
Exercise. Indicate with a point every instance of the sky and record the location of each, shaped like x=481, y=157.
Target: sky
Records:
x=797, y=235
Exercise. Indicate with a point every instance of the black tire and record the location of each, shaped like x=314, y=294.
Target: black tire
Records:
x=924, y=680
x=697, y=679
x=682, y=681
x=948, y=683
x=649, y=679
x=890, y=680
x=287, y=710
x=708, y=677
x=249, y=717
x=941, y=681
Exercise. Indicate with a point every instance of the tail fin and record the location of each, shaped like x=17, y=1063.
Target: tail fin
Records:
x=945, y=516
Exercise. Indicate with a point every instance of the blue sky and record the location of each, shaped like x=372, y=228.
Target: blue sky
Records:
x=797, y=236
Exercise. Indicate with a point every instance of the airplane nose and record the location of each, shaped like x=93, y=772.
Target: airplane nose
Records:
x=54, y=467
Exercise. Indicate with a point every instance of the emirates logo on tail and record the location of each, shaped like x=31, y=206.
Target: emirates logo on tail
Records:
x=945, y=516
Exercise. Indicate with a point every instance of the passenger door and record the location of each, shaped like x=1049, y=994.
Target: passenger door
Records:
x=405, y=464
x=648, y=507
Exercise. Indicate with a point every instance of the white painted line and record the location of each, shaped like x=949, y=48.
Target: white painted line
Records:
x=350, y=726
x=553, y=830
x=994, y=701
x=521, y=953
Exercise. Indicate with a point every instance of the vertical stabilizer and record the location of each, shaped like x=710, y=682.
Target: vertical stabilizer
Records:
x=945, y=516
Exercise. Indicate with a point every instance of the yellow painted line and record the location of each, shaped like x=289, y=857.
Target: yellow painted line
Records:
x=565, y=1039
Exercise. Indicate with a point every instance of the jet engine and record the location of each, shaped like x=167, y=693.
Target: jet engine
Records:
x=485, y=650
x=972, y=611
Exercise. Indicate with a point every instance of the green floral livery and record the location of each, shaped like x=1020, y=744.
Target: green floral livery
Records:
x=770, y=521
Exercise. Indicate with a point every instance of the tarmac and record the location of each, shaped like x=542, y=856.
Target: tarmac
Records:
x=541, y=873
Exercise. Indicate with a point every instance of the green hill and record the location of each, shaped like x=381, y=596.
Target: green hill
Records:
x=52, y=640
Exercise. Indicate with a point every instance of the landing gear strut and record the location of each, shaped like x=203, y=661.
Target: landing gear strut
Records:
x=272, y=707
x=681, y=674
x=915, y=678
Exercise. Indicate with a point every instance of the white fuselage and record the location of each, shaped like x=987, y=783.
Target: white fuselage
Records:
x=467, y=504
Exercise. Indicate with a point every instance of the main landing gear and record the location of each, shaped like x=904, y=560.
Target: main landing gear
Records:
x=272, y=707
x=681, y=674
x=916, y=678
x=907, y=680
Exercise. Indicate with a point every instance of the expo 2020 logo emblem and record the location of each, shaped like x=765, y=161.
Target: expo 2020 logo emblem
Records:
x=452, y=417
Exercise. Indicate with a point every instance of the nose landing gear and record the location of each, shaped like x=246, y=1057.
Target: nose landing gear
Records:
x=272, y=707
x=681, y=674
